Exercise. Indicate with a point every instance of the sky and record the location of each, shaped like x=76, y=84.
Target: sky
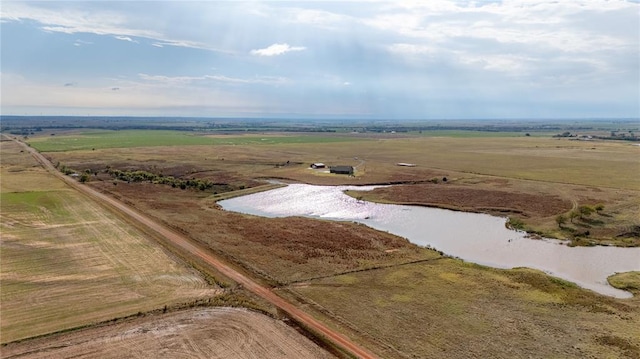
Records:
x=435, y=59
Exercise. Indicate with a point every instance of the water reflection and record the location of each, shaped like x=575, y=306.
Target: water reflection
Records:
x=477, y=238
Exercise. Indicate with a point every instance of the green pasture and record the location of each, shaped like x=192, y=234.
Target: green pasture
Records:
x=34, y=202
x=103, y=139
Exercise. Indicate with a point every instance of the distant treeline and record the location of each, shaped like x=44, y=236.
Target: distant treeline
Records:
x=29, y=125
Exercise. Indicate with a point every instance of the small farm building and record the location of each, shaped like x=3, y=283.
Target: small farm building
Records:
x=318, y=165
x=343, y=170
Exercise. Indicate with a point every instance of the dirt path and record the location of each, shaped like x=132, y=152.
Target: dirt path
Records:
x=201, y=252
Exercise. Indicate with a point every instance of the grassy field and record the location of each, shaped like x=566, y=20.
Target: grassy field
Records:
x=401, y=300
x=450, y=309
x=607, y=164
x=67, y=263
x=544, y=169
x=105, y=139
x=281, y=250
x=431, y=306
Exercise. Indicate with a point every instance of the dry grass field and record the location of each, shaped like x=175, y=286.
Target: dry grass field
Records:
x=215, y=333
x=280, y=250
x=499, y=175
x=395, y=298
x=68, y=263
x=450, y=309
x=355, y=279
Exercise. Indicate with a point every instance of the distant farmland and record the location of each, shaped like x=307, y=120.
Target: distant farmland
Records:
x=103, y=139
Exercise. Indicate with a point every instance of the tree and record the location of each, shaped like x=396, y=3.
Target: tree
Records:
x=84, y=178
x=561, y=220
x=599, y=207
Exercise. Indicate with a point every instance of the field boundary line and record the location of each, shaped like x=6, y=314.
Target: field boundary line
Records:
x=363, y=270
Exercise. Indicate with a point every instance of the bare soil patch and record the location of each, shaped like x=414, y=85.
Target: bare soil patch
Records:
x=197, y=333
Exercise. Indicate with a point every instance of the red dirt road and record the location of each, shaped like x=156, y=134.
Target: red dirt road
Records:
x=201, y=252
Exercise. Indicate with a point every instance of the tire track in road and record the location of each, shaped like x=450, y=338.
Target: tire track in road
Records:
x=207, y=256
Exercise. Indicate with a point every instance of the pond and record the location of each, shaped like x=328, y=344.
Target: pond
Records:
x=473, y=237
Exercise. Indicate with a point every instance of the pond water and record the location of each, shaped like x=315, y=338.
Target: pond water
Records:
x=473, y=237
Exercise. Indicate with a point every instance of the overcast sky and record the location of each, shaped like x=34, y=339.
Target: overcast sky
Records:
x=432, y=59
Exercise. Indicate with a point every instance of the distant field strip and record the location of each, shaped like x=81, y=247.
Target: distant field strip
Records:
x=100, y=139
x=66, y=262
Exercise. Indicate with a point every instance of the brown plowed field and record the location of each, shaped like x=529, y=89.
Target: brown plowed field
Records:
x=485, y=200
x=198, y=333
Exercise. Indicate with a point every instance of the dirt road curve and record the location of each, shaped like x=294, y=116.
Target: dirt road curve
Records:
x=201, y=252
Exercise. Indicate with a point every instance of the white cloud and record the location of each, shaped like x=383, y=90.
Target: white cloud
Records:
x=539, y=23
x=82, y=43
x=126, y=38
x=277, y=49
x=103, y=22
x=388, y=48
x=72, y=21
x=174, y=80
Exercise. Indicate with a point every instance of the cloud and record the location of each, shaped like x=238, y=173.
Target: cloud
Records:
x=125, y=38
x=404, y=55
x=70, y=84
x=536, y=23
x=79, y=43
x=176, y=80
x=188, y=44
x=277, y=49
x=74, y=20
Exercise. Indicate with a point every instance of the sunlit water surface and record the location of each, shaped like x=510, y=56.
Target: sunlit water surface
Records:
x=477, y=238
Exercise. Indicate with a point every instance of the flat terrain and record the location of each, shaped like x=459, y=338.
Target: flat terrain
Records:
x=196, y=333
x=97, y=305
x=392, y=297
x=66, y=262
x=450, y=309
x=354, y=279
x=532, y=179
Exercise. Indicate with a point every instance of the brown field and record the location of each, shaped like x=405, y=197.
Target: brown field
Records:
x=393, y=297
x=195, y=333
x=531, y=179
x=450, y=309
x=355, y=278
x=281, y=250
x=66, y=262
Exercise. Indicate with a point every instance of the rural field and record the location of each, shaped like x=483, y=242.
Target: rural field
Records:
x=354, y=278
x=203, y=333
x=71, y=267
x=532, y=179
x=320, y=179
